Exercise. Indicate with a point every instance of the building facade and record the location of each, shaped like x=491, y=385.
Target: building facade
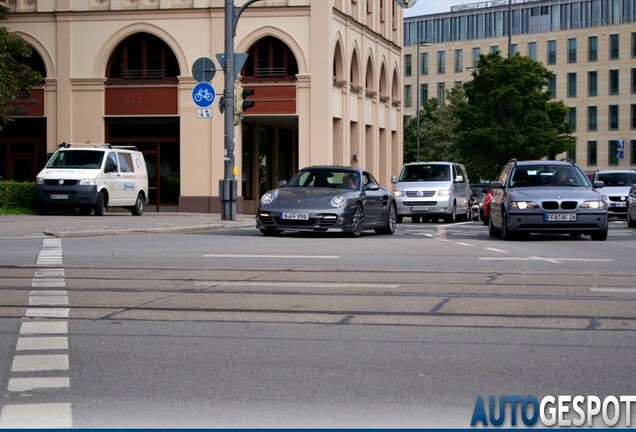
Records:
x=326, y=76
x=589, y=45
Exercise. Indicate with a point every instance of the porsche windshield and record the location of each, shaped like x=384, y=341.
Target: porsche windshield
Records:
x=72, y=159
x=342, y=179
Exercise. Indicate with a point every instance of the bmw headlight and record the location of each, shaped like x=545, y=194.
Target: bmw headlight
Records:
x=338, y=201
x=595, y=205
x=446, y=192
x=267, y=198
x=398, y=193
x=87, y=182
x=523, y=205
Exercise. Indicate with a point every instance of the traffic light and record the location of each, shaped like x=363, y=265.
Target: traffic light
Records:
x=241, y=104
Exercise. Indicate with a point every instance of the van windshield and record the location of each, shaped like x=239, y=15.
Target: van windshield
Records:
x=87, y=159
x=425, y=173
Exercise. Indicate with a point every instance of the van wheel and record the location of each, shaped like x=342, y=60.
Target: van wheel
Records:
x=100, y=204
x=85, y=210
x=138, y=208
x=452, y=217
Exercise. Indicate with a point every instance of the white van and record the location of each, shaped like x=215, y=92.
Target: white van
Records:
x=93, y=177
x=427, y=190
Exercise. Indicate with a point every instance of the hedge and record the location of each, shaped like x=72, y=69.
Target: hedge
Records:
x=17, y=195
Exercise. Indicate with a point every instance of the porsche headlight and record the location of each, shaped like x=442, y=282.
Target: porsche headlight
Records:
x=338, y=201
x=594, y=205
x=523, y=205
x=446, y=192
x=267, y=198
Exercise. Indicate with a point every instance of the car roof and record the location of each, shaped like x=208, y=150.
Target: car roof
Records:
x=615, y=171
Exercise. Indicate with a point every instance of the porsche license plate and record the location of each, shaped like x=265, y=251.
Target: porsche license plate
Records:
x=559, y=217
x=59, y=196
x=294, y=216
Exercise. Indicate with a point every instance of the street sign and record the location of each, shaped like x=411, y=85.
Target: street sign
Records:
x=203, y=94
x=204, y=113
x=239, y=61
x=620, y=149
x=406, y=3
x=203, y=69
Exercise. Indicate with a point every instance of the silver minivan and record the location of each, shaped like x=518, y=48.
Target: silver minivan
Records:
x=427, y=190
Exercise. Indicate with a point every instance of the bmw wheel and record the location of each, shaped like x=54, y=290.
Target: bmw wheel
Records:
x=600, y=236
x=492, y=230
x=357, y=221
x=630, y=221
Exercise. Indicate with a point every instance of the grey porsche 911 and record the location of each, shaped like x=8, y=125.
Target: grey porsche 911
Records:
x=328, y=198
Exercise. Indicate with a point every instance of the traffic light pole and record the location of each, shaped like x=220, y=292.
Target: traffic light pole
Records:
x=227, y=186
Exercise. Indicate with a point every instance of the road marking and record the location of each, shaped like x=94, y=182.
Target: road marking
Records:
x=551, y=260
x=298, y=284
x=47, y=416
x=615, y=290
x=496, y=250
x=465, y=244
x=47, y=312
x=42, y=343
x=43, y=300
x=29, y=384
x=272, y=256
x=48, y=283
x=39, y=362
x=44, y=327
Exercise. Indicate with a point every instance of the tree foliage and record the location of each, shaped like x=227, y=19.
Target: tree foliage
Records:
x=15, y=75
x=506, y=112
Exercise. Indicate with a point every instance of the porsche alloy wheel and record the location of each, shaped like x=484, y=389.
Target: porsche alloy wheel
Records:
x=357, y=221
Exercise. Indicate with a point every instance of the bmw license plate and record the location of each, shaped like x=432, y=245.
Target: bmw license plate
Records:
x=419, y=208
x=294, y=216
x=59, y=196
x=559, y=217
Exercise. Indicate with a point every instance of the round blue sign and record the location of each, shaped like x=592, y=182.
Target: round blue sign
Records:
x=203, y=94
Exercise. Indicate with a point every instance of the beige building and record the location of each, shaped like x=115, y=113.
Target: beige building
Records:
x=589, y=45
x=326, y=75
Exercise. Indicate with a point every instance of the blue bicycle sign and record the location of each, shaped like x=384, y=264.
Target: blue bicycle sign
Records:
x=203, y=94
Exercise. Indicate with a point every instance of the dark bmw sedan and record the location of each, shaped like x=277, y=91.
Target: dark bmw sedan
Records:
x=328, y=198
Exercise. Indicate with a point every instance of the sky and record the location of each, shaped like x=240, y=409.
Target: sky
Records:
x=425, y=7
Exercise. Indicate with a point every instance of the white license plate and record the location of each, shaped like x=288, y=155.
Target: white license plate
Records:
x=559, y=217
x=294, y=216
x=419, y=208
x=59, y=196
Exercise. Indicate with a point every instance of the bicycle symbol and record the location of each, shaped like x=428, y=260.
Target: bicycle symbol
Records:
x=203, y=93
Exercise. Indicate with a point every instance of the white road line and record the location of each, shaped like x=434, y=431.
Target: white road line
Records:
x=48, y=292
x=42, y=300
x=49, y=273
x=47, y=312
x=272, y=256
x=39, y=362
x=42, y=343
x=615, y=290
x=552, y=260
x=44, y=327
x=48, y=283
x=35, y=383
x=47, y=416
x=298, y=284
x=464, y=244
x=496, y=250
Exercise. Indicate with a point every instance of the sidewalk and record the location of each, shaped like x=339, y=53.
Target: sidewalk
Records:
x=116, y=223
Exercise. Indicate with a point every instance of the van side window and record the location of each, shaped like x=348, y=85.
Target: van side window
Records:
x=125, y=162
x=111, y=163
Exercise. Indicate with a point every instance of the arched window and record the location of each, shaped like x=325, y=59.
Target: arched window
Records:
x=270, y=59
x=143, y=57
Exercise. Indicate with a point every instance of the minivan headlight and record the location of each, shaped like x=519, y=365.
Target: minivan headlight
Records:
x=87, y=182
x=445, y=192
x=39, y=180
x=398, y=193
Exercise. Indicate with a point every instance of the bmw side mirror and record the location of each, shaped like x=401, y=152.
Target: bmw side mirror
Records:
x=393, y=179
x=459, y=179
x=598, y=184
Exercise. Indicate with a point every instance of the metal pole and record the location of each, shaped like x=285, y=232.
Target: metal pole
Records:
x=227, y=186
x=417, y=101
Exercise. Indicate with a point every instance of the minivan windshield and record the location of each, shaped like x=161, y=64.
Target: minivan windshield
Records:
x=618, y=179
x=425, y=173
x=87, y=159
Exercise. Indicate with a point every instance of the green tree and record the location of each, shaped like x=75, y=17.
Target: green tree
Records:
x=437, y=132
x=15, y=75
x=506, y=112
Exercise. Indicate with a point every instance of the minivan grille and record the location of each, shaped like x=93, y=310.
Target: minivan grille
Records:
x=423, y=194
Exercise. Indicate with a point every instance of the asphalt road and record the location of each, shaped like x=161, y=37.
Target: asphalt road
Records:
x=227, y=328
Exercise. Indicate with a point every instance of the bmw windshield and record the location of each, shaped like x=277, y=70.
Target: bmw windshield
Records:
x=546, y=176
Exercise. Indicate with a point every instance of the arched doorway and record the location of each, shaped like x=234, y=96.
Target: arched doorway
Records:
x=142, y=108
x=270, y=128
